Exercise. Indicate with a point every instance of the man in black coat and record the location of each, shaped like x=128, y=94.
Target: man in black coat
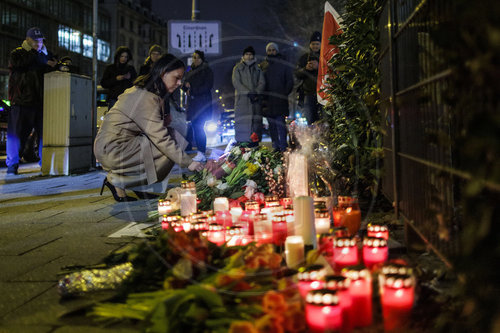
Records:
x=279, y=84
x=307, y=71
x=27, y=63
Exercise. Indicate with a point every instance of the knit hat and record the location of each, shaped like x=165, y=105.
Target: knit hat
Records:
x=316, y=37
x=34, y=33
x=201, y=54
x=249, y=49
x=271, y=44
x=155, y=48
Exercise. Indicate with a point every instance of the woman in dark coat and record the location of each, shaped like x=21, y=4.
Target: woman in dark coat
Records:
x=198, y=85
x=279, y=84
x=119, y=75
x=248, y=82
x=134, y=144
x=154, y=54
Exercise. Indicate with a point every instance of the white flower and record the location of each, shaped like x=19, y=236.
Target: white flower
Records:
x=257, y=154
x=277, y=170
x=211, y=181
x=236, y=151
x=246, y=156
x=222, y=186
x=249, y=192
x=250, y=183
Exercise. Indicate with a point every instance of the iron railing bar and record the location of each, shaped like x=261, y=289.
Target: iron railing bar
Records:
x=431, y=79
x=383, y=52
x=441, y=256
x=462, y=174
x=409, y=19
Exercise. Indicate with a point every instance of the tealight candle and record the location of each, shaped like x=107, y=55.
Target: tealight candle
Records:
x=323, y=312
x=279, y=229
x=322, y=221
x=375, y=251
x=345, y=252
x=263, y=229
x=294, y=251
x=221, y=204
x=361, y=293
x=216, y=234
x=235, y=214
x=311, y=278
x=223, y=217
x=234, y=236
x=378, y=231
x=164, y=207
x=341, y=284
x=397, y=301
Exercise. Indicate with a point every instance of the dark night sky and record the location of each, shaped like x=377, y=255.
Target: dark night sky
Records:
x=239, y=28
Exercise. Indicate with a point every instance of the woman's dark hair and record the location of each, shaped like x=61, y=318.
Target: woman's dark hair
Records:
x=152, y=81
x=118, y=53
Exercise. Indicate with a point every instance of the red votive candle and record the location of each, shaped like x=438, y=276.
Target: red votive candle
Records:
x=345, y=252
x=341, y=284
x=234, y=236
x=375, y=251
x=323, y=312
x=311, y=278
x=224, y=218
x=361, y=294
x=216, y=234
x=286, y=202
x=164, y=207
x=247, y=217
x=397, y=301
x=271, y=201
x=326, y=245
x=340, y=232
x=263, y=229
x=377, y=230
x=279, y=229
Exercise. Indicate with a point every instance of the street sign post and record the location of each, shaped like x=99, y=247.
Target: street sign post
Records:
x=187, y=36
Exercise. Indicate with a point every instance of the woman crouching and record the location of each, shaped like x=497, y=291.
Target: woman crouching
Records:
x=134, y=144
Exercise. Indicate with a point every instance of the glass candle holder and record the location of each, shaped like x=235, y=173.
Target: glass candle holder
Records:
x=199, y=226
x=263, y=229
x=188, y=201
x=221, y=204
x=340, y=232
x=396, y=266
x=397, y=301
x=290, y=220
x=186, y=223
x=375, y=251
x=326, y=245
x=166, y=221
x=360, y=289
x=323, y=312
x=310, y=278
x=271, y=201
x=216, y=234
x=341, y=284
x=345, y=252
x=294, y=251
x=164, y=207
x=236, y=214
x=279, y=229
x=247, y=217
x=285, y=202
x=377, y=231
x=234, y=236
x=322, y=220
x=223, y=217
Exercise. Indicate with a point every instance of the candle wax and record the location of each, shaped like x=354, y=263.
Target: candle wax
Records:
x=294, y=251
x=361, y=293
x=323, y=318
x=396, y=307
x=374, y=255
x=345, y=256
x=306, y=286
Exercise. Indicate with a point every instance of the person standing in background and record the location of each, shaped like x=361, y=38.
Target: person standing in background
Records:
x=279, y=84
x=307, y=71
x=27, y=63
x=198, y=86
x=249, y=83
x=155, y=53
x=119, y=75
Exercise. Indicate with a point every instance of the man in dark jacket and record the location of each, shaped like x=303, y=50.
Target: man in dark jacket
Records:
x=279, y=84
x=27, y=64
x=307, y=71
x=119, y=75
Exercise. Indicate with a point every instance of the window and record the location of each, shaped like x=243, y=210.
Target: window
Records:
x=103, y=50
x=69, y=38
x=87, y=46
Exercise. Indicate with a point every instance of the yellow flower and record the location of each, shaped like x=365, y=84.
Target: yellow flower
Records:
x=251, y=168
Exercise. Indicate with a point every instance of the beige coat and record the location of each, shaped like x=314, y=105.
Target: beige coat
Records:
x=133, y=144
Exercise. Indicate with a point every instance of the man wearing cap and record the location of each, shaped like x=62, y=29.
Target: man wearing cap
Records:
x=307, y=71
x=27, y=63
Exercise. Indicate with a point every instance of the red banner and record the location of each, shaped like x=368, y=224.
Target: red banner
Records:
x=331, y=26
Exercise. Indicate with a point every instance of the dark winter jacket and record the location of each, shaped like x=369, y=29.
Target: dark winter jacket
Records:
x=27, y=67
x=201, y=81
x=309, y=78
x=279, y=83
x=145, y=68
x=109, y=81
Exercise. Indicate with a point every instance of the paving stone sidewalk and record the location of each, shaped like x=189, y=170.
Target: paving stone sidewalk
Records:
x=47, y=224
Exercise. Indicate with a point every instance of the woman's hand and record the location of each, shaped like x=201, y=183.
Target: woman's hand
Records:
x=195, y=166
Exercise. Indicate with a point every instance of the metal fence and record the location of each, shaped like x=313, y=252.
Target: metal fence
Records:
x=418, y=151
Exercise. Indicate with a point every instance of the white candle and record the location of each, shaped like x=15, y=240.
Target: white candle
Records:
x=188, y=203
x=221, y=204
x=236, y=214
x=303, y=208
x=294, y=251
x=322, y=221
x=164, y=207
